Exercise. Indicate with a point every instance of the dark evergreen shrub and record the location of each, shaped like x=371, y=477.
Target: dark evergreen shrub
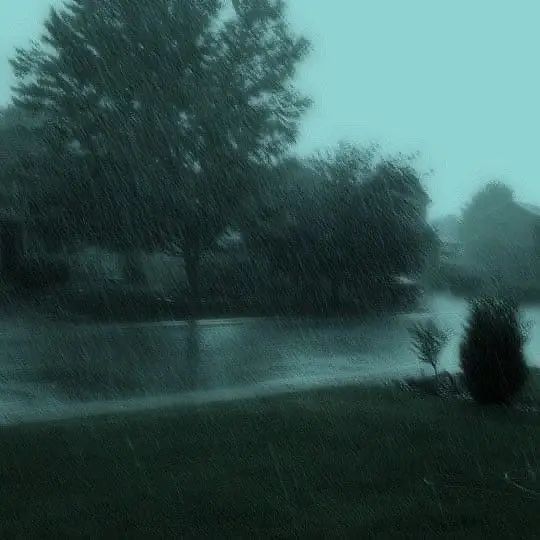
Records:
x=491, y=353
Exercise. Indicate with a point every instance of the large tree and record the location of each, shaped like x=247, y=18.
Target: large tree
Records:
x=168, y=107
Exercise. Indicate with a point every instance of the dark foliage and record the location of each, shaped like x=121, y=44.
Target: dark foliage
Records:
x=491, y=354
x=34, y=273
x=343, y=226
x=173, y=144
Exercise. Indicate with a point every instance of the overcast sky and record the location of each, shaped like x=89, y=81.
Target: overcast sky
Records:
x=458, y=81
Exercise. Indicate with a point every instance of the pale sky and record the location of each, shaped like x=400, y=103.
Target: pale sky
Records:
x=457, y=80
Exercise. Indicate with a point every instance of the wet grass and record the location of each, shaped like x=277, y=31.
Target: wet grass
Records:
x=348, y=462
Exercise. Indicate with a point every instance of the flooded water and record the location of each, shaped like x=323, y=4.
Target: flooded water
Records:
x=102, y=362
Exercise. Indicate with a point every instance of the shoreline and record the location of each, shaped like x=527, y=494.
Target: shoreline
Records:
x=69, y=410
x=426, y=385
x=127, y=305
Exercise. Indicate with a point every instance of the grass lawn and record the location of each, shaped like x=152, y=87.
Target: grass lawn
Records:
x=346, y=462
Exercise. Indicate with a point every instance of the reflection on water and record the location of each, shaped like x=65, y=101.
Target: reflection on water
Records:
x=112, y=361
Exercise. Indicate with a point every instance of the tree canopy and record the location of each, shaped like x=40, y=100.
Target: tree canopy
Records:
x=167, y=108
x=345, y=218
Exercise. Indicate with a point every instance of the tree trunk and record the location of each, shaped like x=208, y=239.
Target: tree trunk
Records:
x=335, y=293
x=133, y=268
x=192, y=261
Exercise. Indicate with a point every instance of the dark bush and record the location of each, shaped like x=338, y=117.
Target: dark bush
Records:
x=34, y=273
x=491, y=354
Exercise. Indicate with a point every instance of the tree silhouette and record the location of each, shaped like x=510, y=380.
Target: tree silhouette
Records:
x=168, y=109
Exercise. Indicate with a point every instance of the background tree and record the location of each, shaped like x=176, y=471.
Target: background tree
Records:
x=493, y=197
x=167, y=107
x=498, y=237
x=483, y=225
